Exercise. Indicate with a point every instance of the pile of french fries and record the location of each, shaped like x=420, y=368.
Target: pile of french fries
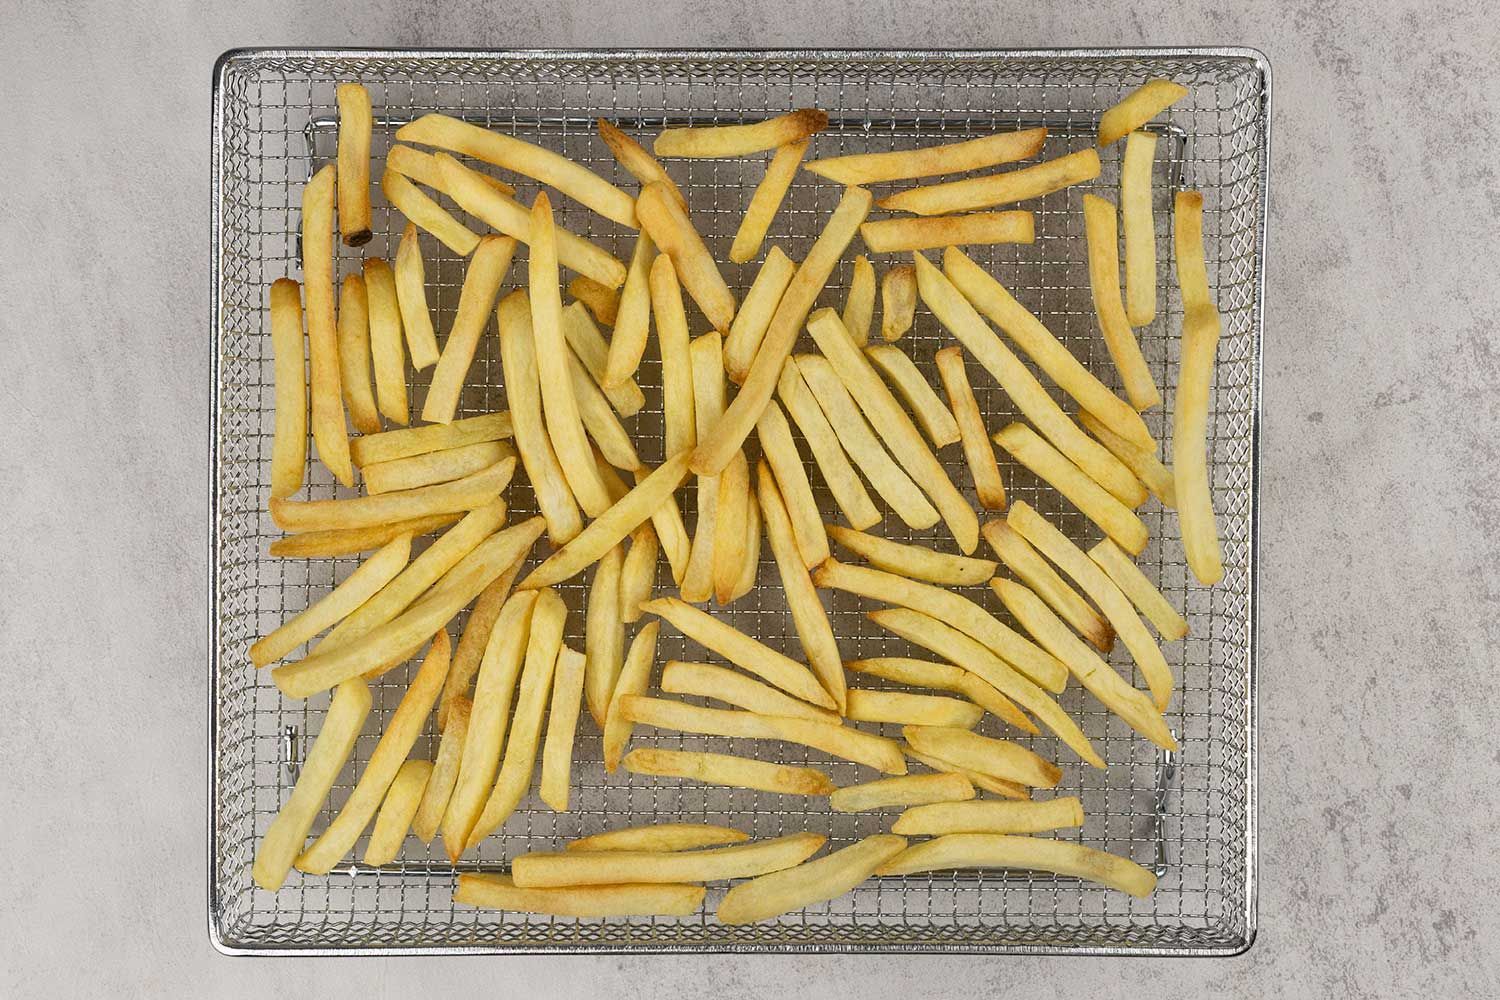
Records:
x=511, y=690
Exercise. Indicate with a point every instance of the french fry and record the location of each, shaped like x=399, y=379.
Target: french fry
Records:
x=322, y=334
x=599, y=419
x=632, y=319
x=288, y=831
x=671, y=230
x=859, y=304
x=1142, y=593
x=903, y=707
x=678, y=405
x=388, y=446
x=481, y=285
x=1137, y=108
x=754, y=315
x=937, y=423
x=898, y=301
x=633, y=157
x=659, y=837
x=980, y=780
x=1104, y=280
x=499, y=892
x=724, y=141
x=423, y=168
x=915, y=561
x=749, y=654
x=341, y=542
x=666, y=519
x=604, y=635
x=471, y=646
x=554, y=498
x=1112, y=690
x=603, y=302
x=411, y=297
x=937, y=231
x=357, y=588
x=638, y=573
x=811, y=882
x=1114, y=518
x=750, y=565
x=732, y=513
x=723, y=769
x=781, y=455
x=955, y=313
x=396, y=813
x=1140, y=460
x=991, y=299
x=426, y=214
x=1139, y=228
x=354, y=163
x=551, y=169
x=938, y=819
x=722, y=684
x=387, y=353
x=996, y=189
x=843, y=482
x=894, y=427
x=715, y=451
x=998, y=850
x=930, y=161
x=768, y=196
x=377, y=780
x=1031, y=569
x=354, y=355
x=433, y=467
x=562, y=725
x=634, y=678
x=894, y=485
x=1001, y=758
x=708, y=404
x=289, y=445
x=978, y=451
x=1200, y=344
x=435, y=796
x=711, y=865
x=947, y=677
x=907, y=790
x=364, y=512
x=840, y=741
x=953, y=609
x=475, y=194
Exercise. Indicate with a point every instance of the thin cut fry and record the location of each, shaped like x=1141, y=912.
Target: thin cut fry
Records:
x=354, y=355
x=907, y=790
x=481, y=284
x=915, y=561
x=678, y=406
x=1104, y=281
x=603, y=302
x=859, y=304
x=997, y=189
x=632, y=319
x=339, y=542
x=362, y=512
x=906, y=708
x=588, y=343
x=411, y=296
x=732, y=512
x=978, y=451
x=603, y=635
x=934, y=232
x=750, y=565
x=424, y=825
x=289, y=445
x=722, y=684
x=633, y=680
x=708, y=403
x=1001, y=758
x=768, y=196
x=723, y=769
x=426, y=214
x=433, y=467
x=1200, y=344
x=671, y=230
x=1140, y=460
x=423, y=168
x=1137, y=108
x=811, y=882
x=562, y=725
x=633, y=157
x=726, y=141
x=930, y=161
x=666, y=519
x=354, y=163
x=659, y=837
x=638, y=573
x=1028, y=566
x=397, y=812
x=388, y=446
x=710, y=865
x=1095, y=502
x=926, y=406
x=898, y=301
x=1139, y=228
x=980, y=780
x=1142, y=593
x=947, y=677
x=387, y=352
x=940, y=818
x=499, y=892
x=843, y=482
x=599, y=419
x=322, y=334
x=785, y=460
x=471, y=645
x=755, y=313
x=997, y=850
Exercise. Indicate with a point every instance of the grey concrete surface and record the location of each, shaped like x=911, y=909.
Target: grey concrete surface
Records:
x=1381, y=600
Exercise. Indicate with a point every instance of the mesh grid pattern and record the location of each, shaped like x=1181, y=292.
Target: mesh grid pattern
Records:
x=1191, y=818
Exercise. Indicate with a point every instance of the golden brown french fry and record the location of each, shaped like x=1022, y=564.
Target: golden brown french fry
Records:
x=996, y=189
x=289, y=445
x=722, y=684
x=980, y=780
x=710, y=865
x=1200, y=345
x=338, y=542
x=659, y=837
x=599, y=419
x=731, y=514
x=843, y=482
x=387, y=353
x=551, y=169
x=354, y=355
x=470, y=650
x=638, y=573
x=859, y=304
x=602, y=301
x=811, y=882
x=411, y=297
x=433, y=467
x=354, y=163
x=397, y=812
x=937, y=231
x=915, y=561
x=768, y=196
x=378, y=779
x=1096, y=503
x=604, y=635
x=840, y=741
x=427, y=214
x=1139, y=228
x=476, y=195
x=1112, y=690
x=1140, y=460
x=955, y=313
x=362, y=512
x=705, y=356
x=499, y=892
x=724, y=141
x=898, y=301
x=634, y=678
x=357, y=588
x=1104, y=280
x=1142, y=593
x=424, y=825
x=755, y=313
x=715, y=451
x=633, y=157
x=671, y=230
x=1024, y=561
x=750, y=565
x=723, y=769
x=1137, y=108
x=749, y=654
x=907, y=790
x=785, y=460
x=938, y=819
x=978, y=451
x=930, y=161
x=632, y=319
x=998, y=850
x=322, y=335
x=946, y=677
x=678, y=405
x=481, y=285
x=992, y=299
x=288, y=831
x=1001, y=758
x=562, y=725
x=423, y=168
x=938, y=424
x=388, y=446
x=903, y=707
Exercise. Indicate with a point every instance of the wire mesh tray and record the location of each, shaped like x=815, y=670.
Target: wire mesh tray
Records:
x=1191, y=817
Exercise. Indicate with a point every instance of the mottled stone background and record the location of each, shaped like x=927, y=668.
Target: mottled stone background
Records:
x=1381, y=595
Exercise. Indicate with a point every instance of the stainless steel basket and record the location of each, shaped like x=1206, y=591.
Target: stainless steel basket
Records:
x=1191, y=817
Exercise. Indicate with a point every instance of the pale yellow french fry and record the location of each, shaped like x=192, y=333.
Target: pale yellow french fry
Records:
x=907, y=709
x=946, y=677
x=634, y=678
x=411, y=296
x=1142, y=593
x=1200, y=345
x=1001, y=758
x=1140, y=460
x=937, y=422
x=423, y=168
x=433, y=467
x=388, y=446
x=588, y=343
x=671, y=230
x=602, y=301
x=731, y=515
x=930, y=161
x=342, y=542
x=481, y=285
x=562, y=725
x=638, y=573
x=666, y=519
x=723, y=769
x=396, y=813
x=859, y=304
x=811, y=882
x=1114, y=518
x=710, y=865
x=750, y=565
x=715, y=451
x=632, y=319
x=998, y=850
x=843, y=482
x=362, y=512
x=785, y=460
x=354, y=355
x=289, y=445
x=635, y=159
x=1137, y=108
x=604, y=635
x=499, y=892
x=678, y=405
x=387, y=352
x=726, y=141
x=978, y=451
x=898, y=301
x=471, y=646
x=424, y=825
x=706, y=358
x=288, y=831
x=768, y=196
x=937, y=231
x=722, y=684
x=755, y=313
x=354, y=163
x=322, y=335
x=1034, y=571
x=915, y=561
x=426, y=214
x=980, y=780
x=990, y=190
x=599, y=419
x=551, y=169
x=1104, y=280
x=938, y=819
x=659, y=837
x=907, y=790
x=1139, y=228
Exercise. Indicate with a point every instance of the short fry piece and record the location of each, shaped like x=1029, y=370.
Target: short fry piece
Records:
x=354, y=355
x=638, y=573
x=1140, y=460
x=499, y=892
x=633, y=680
x=411, y=296
x=997, y=189
x=859, y=304
x=433, y=467
x=724, y=141
x=1142, y=593
x=1200, y=344
x=347, y=542
x=750, y=565
x=937, y=231
x=1001, y=758
x=354, y=163
x=387, y=352
x=1095, y=502
x=1104, y=280
x=785, y=461
x=939, y=425
x=396, y=812
x=980, y=780
x=388, y=446
x=659, y=837
x=677, y=402
x=996, y=850
x=811, y=882
x=633, y=157
x=733, y=772
x=705, y=680
x=898, y=301
x=632, y=321
x=601, y=300
x=667, y=221
x=562, y=725
x=730, y=517
x=978, y=451
x=911, y=709
x=768, y=196
x=467, y=493
x=915, y=561
x=1137, y=108
x=481, y=284
x=940, y=818
x=1139, y=228
x=713, y=864
x=755, y=313
x=289, y=445
x=930, y=161
x=1031, y=569
x=423, y=168
x=706, y=359
x=322, y=333
x=426, y=214
x=424, y=825
x=843, y=482
x=604, y=635
x=907, y=790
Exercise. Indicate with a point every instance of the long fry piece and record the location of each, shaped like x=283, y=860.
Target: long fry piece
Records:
x=354, y=163
x=706, y=358
x=930, y=161
x=632, y=319
x=1200, y=344
x=659, y=837
x=499, y=892
x=672, y=230
x=388, y=446
x=387, y=352
x=679, y=412
x=435, y=797
x=724, y=769
x=471, y=645
x=808, y=883
x=1141, y=591
x=947, y=677
x=354, y=355
x=1001, y=758
x=705, y=680
x=1114, y=518
x=978, y=451
x=1104, y=280
x=289, y=443
x=362, y=512
x=997, y=189
x=741, y=140
x=1140, y=460
x=754, y=315
x=936, y=231
x=1139, y=228
x=937, y=422
x=1034, y=571
x=614, y=867
x=434, y=467
x=828, y=454
x=426, y=214
x=322, y=333
x=768, y=196
x=481, y=285
x=781, y=455
x=907, y=790
x=332, y=542
x=604, y=635
x=905, y=708
x=980, y=780
x=940, y=818
x=996, y=850
x=562, y=723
